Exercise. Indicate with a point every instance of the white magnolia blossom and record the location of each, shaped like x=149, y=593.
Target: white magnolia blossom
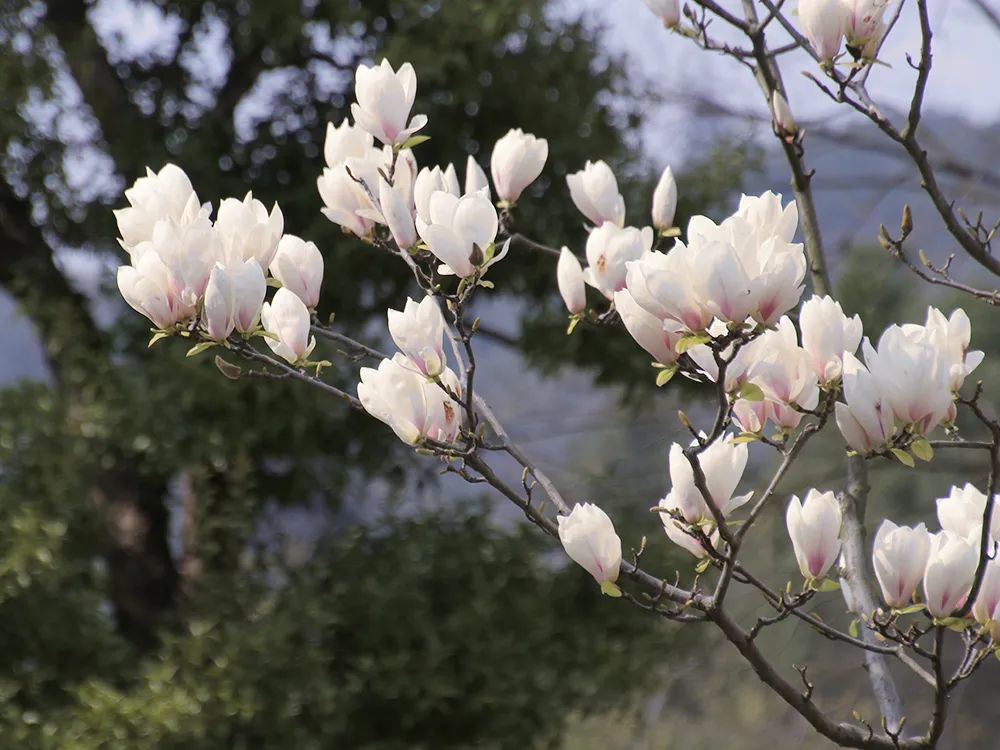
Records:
x=781, y=113
x=951, y=568
x=149, y=288
x=824, y=23
x=298, y=265
x=668, y=286
x=864, y=25
x=569, y=277
x=385, y=98
x=413, y=406
x=428, y=182
x=962, y=511
x=517, y=160
x=866, y=420
x=899, y=558
x=668, y=11
x=248, y=231
x=166, y=194
x=475, y=177
x=826, y=334
x=588, y=536
x=658, y=337
x=345, y=201
x=723, y=464
x=397, y=215
x=418, y=331
x=233, y=299
x=784, y=372
x=679, y=535
x=345, y=142
x=188, y=252
x=286, y=319
x=951, y=337
x=594, y=191
x=461, y=232
x=913, y=374
x=665, y=201
x=814, y=528
x=986, y=608
x=610, y=248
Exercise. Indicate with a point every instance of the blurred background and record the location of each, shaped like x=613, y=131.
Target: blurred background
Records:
x=191, y=562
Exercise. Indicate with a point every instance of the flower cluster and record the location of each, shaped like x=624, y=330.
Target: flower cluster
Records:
x=193, y=276
x=946, y=562
x=907, y=383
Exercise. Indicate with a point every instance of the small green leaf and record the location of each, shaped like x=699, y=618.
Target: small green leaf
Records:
x=228, y=369
x=690, y=341
x=702, y=566
x=664, y=376
x=923, y=258
x=273, y=282
x=910, y=609
x=671, y=232
x=199, y=348
x=952, y=623
x=156, y=337
x=853, y=629
x=922, y=449
x=827, y=585
x=610, y=588
x=745, y=437
x=751, y=392
x=485, y=284
x=414, y=140
x=903, y=457
x=573, y=323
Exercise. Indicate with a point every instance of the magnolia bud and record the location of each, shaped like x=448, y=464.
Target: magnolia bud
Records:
x=951, y=568
x=814, y=528
x=589, y=538
x=418, y=332
x=899, y=558
x=784, y=122
x=298, y=265
x=823, y=22
x=569, y=276
x=517, y=160
x=287, y=320
x=665, y=201
x=594, y=191
x=397, y=215
x=668, y=11
x=475, y=177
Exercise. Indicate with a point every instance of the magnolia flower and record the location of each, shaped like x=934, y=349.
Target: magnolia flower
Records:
x=475, y=177
x=668, y=11
x=346, y=142
x=298, y=265
x=899, y=558
x=149, y=289
x=414, y=407
x=677, y=533
x=912, y=373
x=865, y=420
x=723, y=464
x=823, y=23
x=233, y=299
x=589, y=538
x=951, y=568
x=385, y=98
x=461, y=231
x=569, y=276
x=962, y=512
x=658, y=337
x=768, y=217
x=188, y=251
x=248, y=231
x=286, y=319
x=594, y=191
x=951, y=337
x=669, y=286
x=516, y=162
x=863, y=24
x=345, y=202
x=814, y=528
x=428, y=182
x=665, y=201
x=609, y=249
x=784, y=372
x=826, y=334
x=985, y=608
x=418, y=332
x=397, y=215
x=784, y=121
x=166, y=194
